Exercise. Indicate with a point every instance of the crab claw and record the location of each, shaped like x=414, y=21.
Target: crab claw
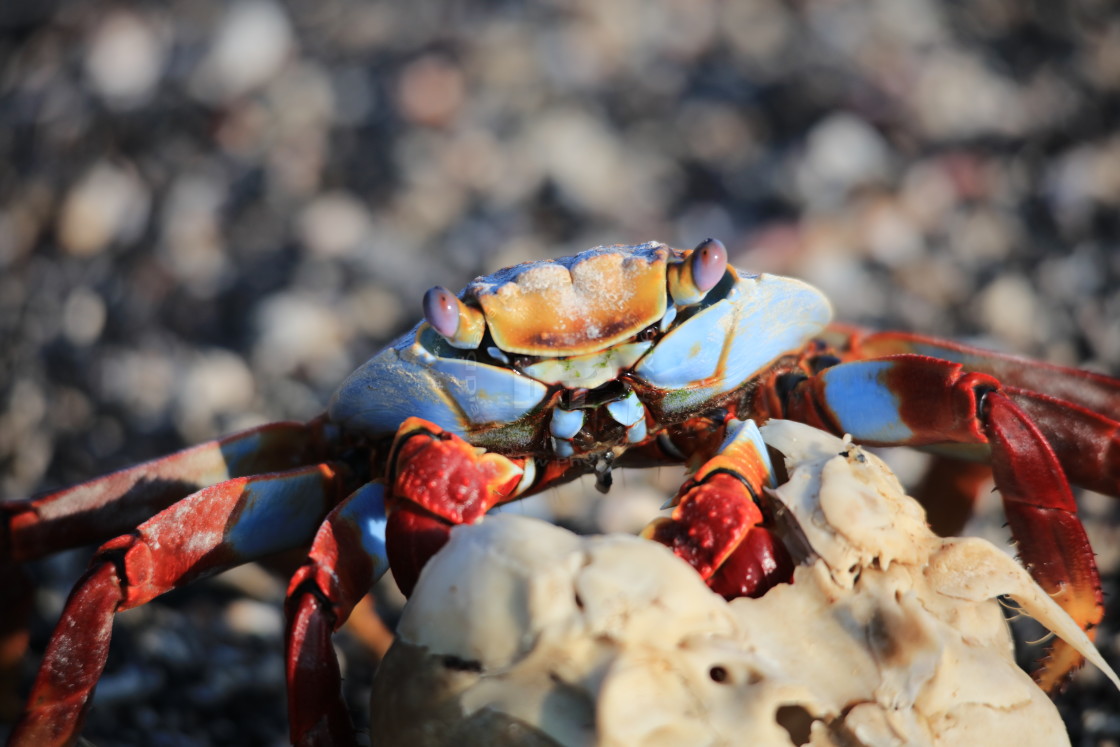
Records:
x=439, y=480
x=717, y=524
x=461, y=325
x=690, y=281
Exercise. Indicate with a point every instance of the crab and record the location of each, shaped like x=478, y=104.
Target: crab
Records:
x=535, y=375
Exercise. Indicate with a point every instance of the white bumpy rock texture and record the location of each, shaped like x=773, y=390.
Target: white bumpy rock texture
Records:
x=520, y=632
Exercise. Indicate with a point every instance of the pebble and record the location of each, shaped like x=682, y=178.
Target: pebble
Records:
x=249, y=617
x=1008, y=310
x=430, y=91
x=334, y=225
x=211, y=384
x=212, y=211
x=192, y=245
x=108, y=204
x=83, y=317
x=842, y=152
x=125, y=58
x=299, y=332
x=252, y=42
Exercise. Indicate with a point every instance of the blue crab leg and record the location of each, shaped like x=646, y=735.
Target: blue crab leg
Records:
x=915, y=400
x=222, y=526
x=346, y=558
x=99, y=509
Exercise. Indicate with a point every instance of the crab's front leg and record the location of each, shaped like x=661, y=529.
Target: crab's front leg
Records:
x=435, y=482
x=346, y=558
x=916, y=400
x=717, y=525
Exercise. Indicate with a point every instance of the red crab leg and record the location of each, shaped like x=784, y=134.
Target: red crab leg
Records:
x=918, y=401
x=1087, y=443
x=214, y=529
x=99, y=509
x=346, y=558
x=949, y=491
x=717, y=523
x=1078, y=411
x=1090, y=390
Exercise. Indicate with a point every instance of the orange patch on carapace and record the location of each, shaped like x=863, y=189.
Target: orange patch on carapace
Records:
x=552, y=310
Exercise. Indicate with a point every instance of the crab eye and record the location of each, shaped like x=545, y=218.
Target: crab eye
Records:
x=461, y=325
x=709, y=262
x=441, y=310
x=690, y=280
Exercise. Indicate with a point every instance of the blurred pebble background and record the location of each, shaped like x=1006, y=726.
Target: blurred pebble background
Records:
x=210, y=212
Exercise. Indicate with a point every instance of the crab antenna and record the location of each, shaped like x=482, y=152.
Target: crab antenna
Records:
x=690, y=280
x=461, y=325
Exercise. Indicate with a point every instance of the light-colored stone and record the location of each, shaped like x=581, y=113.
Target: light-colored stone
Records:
x=889, y=635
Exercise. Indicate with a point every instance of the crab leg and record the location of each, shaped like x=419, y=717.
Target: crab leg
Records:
x=1078, y=411
x=97, y=510
x=346, y=559
x=918, y=401
x=222, y=526
x=1089, y=390
x=949, y=490
x=717, y=523
x=1087, y=443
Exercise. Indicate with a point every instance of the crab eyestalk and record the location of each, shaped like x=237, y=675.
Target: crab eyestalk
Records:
x=461, y=325
x=690, y=280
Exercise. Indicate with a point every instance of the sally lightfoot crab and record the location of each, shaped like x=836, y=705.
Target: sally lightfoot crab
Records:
x=619, y=356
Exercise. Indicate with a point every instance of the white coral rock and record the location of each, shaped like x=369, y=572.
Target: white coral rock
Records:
x=520, y=632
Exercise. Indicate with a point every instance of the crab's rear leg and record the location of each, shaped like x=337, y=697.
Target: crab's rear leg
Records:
x=717, y=525
x=1078, y=411
x=1086, y=389
x=920, y=401
x=95, y=511
x=222, y=526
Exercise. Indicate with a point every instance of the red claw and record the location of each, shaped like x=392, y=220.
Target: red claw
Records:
x=758, y=564
x=718, y=527
x=439, y=481
x=412, y=539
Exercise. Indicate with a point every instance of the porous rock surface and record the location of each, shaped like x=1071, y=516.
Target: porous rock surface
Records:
x=521, y=632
